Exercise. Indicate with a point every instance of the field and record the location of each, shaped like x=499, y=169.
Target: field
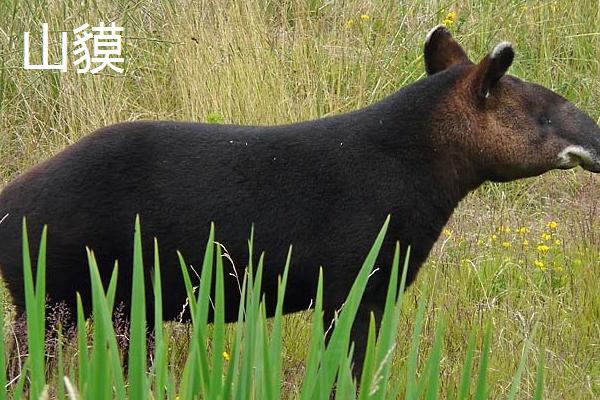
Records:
x=515, y=255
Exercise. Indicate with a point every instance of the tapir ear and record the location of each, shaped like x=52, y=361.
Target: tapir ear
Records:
x=442, y=51
x=492, y=68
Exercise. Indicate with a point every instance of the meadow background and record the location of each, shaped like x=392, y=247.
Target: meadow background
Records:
x=513, y=254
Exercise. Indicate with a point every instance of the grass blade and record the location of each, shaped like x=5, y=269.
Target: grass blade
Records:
x=18, y=392
x=465, y=380
x=517, y=378
x=433, y=380
x=370, y=358
x=345, y=388
x=375, y=383
x=112, y=288
x=104, y=362
x=160, y=346
x=273, y=365
x=137, y=344
x=317, y=344
x=191, y=297
x=539, y=379
x=82, y=347
x=231, y=382
x=196, y=371
x=411, y=371
x=40, y=284
x=218, y=340
x=481, y=388
x=338, y=345
x=35, y=311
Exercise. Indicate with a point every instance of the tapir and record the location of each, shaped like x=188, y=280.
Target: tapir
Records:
x=324, y=186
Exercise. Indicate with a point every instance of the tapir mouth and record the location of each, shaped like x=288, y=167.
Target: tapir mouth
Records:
x=573, y=156
x=595, y=168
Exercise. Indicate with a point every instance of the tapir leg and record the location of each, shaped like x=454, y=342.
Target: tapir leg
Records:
x=360, y=329
x=360, y=333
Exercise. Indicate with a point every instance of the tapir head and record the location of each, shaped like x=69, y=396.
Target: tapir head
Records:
x=509, y=128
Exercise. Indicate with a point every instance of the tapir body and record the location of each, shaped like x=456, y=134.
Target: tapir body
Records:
x=323, y=186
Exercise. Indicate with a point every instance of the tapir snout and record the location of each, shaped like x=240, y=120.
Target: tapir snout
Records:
x=584, y=137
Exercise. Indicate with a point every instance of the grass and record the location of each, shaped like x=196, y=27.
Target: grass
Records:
x=254, y=368
x=273, y=62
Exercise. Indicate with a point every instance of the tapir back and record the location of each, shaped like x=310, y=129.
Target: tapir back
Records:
x=179, y=177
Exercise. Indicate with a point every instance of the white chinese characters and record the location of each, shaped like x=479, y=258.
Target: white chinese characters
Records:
x=105, y=49
x=45, y=64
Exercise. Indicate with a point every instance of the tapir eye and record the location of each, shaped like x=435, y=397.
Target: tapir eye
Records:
x=545, y=121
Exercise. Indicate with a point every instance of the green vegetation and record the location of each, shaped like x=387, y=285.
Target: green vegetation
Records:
x=253, y=366
x=279, y=61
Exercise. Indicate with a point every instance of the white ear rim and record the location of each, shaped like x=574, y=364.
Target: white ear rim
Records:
x=431, y=32
x=500, y=48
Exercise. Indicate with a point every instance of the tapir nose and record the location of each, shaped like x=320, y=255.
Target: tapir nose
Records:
x=584, y=138
x=594, y=164
x=578, y=155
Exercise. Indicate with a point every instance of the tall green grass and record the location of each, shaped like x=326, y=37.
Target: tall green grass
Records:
x=253, y=368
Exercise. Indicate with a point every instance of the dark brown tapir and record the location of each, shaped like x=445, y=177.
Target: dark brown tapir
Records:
x=325, y=186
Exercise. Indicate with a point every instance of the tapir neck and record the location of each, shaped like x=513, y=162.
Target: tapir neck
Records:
x=417, y=176
x=414, y=128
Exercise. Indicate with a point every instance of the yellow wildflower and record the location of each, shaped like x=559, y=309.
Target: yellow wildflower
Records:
x=557, y=242
x=552, y=225
x=523, y=230
x=539, y=264
x=506, y=245
x=350, y=23
x=450, y=19
x=525, y=242
x=447, y=232
x=364, y=17
x=226, y=356
x=542, y=248
x=493, y=238
x=546, y=236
